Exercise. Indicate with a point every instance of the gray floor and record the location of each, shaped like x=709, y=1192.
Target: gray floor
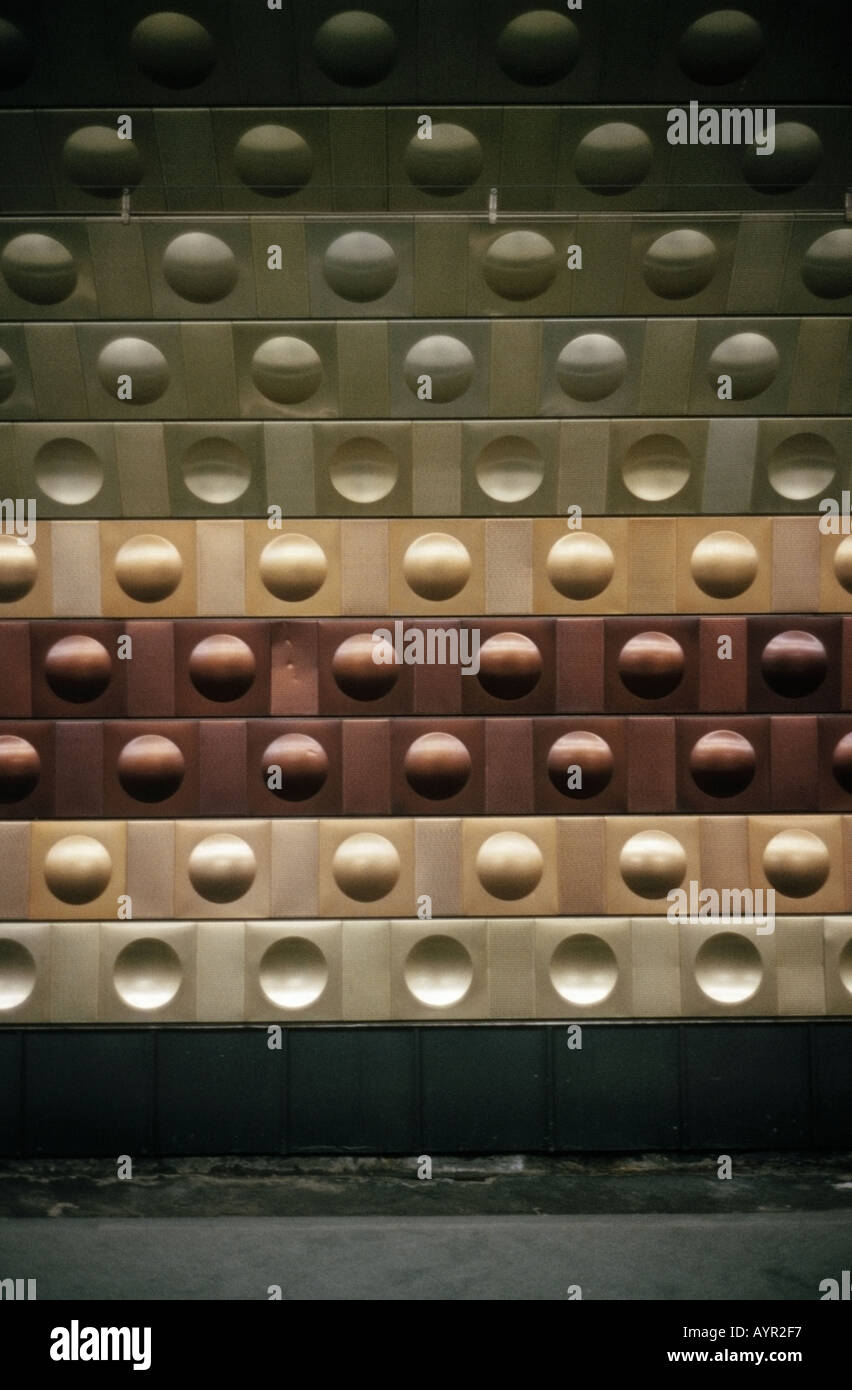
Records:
x=776, y=1255
x=515, y=1227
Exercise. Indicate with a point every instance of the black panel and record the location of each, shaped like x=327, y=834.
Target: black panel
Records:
x=484, y=1090
x=10, y=1093
x=832, y=1056
x=746, y=1086
x=353, y=1090
x=220, y=1091
x=620, y=1090
x=89, y=1093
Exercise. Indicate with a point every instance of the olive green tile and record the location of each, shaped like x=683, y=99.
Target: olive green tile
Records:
x=211, y=381
x=188, y=157
x=440, y=268
x=281, y=293
x=121, y=274
x=667, y=366
x=362, y=352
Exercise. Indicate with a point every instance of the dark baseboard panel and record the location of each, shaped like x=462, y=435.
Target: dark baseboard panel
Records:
x=432, y=1089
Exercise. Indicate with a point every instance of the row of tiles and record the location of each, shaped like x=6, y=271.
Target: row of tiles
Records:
x=317, y=268
x=334, y=568
x=381, y=767
x=428, y=468
x=227, y=52
x=425, y=369
x=372, y=158
x=485, y=865
x=612, y=967
x=159, y=667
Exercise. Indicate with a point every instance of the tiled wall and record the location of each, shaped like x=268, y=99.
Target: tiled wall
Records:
x=279, y=282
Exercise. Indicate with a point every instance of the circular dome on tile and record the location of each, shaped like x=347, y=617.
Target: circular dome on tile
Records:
x=591, y=367
x=728, y=968
x=843, y=564
x=222, y=868
x=303, y=764
x=795, y=159
x=216, y=471
x=509, y=469
x=355, y=48
x=293, y=567
x=273, y=160
x=100, y=162
x=222, y=667
x=77, y=869
x=509, y=865
x=651, y=665
x=363, y=470
x=680, y=264
x=722, y=763
x=510, y=666
x=794, y=663
x=520, y=265
x=286, y=370
x=827, y=264
x=656, y=468
x=538, y=48
x=583, y=970
x=796, y=863
x=20, y=768
x=436, y=566
x=39, y=268
x=448, y=163
x=437, y=766
x=150, y=768
x=366, y=867
x=148, y=568
x=68, y=471
x=141, y=361
x=438, y=971
x=17, y=974
x=652, y=863
x=580, y=565
x=844, y=966
x=360, y=266
x=293, y=973
x=147, y=973
x=7, y=376
x=841, y=762
x=802, y=467
x=18, y=568
x=200, y=267
x=16, y=56
x=78, y=668
x=724, y=564
x=613, y=158
x=356, y=671
x=580, y=764
x=172, y=49
x=749, y=359
x=448, y=362
x=720, y=47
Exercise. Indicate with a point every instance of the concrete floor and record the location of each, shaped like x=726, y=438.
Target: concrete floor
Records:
x=637, y=1228
x=761, y=1255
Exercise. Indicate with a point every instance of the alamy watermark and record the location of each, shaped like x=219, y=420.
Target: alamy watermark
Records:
x=730, y=125
x=427, y=646
x=703, y=907
x=18, y=518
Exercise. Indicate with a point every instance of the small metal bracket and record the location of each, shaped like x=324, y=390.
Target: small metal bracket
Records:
x=492, y=205
x=125, y=205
